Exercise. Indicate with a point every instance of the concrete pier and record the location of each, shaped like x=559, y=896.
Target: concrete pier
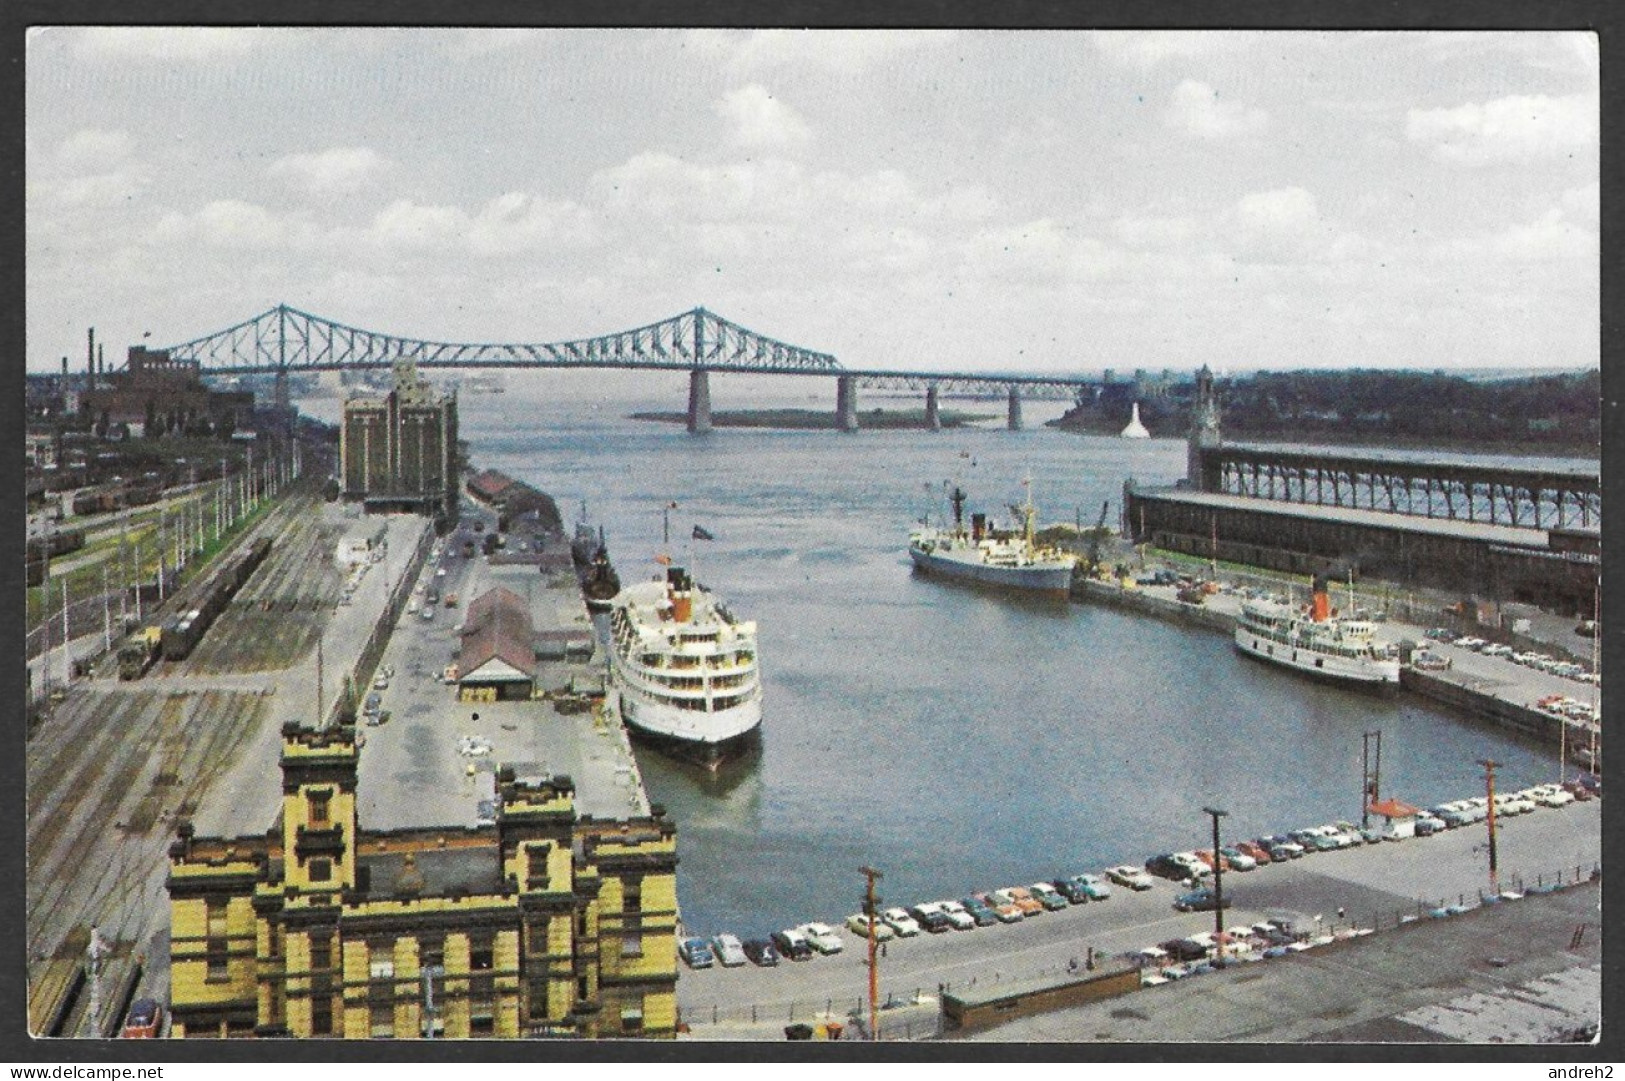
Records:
x=933, y=417
x=699, y=400
x=846, y=403
x=1014, y=423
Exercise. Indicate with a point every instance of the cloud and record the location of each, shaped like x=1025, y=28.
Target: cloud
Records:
x=1196, y=110
x=1145, y=49
x=336, y=171
x=166, y=43
x=761, y=120
x=1284, y=226
x=1511, y=129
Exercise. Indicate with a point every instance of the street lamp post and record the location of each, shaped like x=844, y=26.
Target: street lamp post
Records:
x=1218, y=875
x=871, y=907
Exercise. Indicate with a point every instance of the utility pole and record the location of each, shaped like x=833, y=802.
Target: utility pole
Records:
x=107, y=614
x=871, y=907
x=1490, y=766
x=94, y=952
x=319, y=675
x=67, y=654
x=1218, y=877
x=1371, y=777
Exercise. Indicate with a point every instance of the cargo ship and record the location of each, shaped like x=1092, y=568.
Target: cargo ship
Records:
x=987, y=556
x=684, y=669
x=1315, y=641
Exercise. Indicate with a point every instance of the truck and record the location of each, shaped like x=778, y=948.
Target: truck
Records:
x=138, y=652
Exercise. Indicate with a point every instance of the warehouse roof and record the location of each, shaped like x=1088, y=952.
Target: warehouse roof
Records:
x=498, y=628
x=1442, y=527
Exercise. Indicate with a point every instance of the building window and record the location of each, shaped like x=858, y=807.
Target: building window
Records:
x=481, y=953
x=634, y=896
x=321, y=952
x=431, y=951
x=538, y=998
x=583, y=991
x=632, y=944
x=321, y=869
x=632, y=1019
x=381, y=1018
x=319, y=804
x=216, y=948
x=381, y=960
x=321, y=1016
x=581, y=923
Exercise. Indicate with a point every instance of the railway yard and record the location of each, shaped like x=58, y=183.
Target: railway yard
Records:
x=116, y=761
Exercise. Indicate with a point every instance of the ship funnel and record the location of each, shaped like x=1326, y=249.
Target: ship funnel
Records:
x=1321, y=609
x=978, y=525
x=678, y=588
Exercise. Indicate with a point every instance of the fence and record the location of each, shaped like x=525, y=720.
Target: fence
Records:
x=915, y=1013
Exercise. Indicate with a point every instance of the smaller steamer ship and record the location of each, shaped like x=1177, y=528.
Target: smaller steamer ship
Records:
x=685, y=669
x=1003, y=559
x=599, y=582
x=1316, y=641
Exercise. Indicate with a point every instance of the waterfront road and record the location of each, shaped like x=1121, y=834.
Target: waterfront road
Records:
x=1374, y=885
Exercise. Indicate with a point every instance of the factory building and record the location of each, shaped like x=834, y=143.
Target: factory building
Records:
x=549, y=923
x=159, y=394
x=398, y=451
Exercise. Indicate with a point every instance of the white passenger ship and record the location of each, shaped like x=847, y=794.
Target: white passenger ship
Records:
x=685, y=669
x=1314, y=641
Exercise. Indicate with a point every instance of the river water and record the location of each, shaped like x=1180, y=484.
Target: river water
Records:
x=953, y=739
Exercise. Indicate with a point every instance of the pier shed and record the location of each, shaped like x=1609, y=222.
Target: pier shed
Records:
x=1401, y=817
x=498, y=658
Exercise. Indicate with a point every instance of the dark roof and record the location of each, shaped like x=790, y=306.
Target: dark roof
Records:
x=490, y=484
x=498, y=627
x=443, y=871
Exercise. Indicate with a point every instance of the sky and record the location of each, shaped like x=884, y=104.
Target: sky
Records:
x=1037, y=201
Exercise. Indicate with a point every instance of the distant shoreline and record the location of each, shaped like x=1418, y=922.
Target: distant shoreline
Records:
x=818, y=419
x=1516, y=449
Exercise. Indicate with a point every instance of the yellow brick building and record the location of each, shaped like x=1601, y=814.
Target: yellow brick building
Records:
x=549, y=923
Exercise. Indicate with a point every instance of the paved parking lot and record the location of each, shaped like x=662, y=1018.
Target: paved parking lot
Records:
x=1373, y=884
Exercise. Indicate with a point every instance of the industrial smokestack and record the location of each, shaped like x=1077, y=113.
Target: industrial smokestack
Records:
x=101, y=362
x=62, y=385
x=90, y=353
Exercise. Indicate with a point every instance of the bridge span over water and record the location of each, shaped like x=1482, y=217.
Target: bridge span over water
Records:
x=699, y=342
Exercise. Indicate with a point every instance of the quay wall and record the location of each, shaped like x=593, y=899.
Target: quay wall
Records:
x=1436, y=686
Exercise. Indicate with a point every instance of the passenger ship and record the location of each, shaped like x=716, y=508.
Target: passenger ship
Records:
x=685, y=669
x=1314, y=641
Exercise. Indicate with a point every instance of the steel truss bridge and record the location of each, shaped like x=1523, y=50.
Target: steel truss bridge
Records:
x=285, y=339
x=1496, y=494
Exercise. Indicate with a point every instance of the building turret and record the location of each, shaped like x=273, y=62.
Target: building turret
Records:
x=1204, y=433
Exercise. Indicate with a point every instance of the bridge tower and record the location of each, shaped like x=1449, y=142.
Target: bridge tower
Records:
x=1013, y=421
x=1204, y=433
x=846, y=403
x=933, y=416
x=699, y=401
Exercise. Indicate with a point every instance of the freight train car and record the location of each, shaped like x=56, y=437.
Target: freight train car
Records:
x=139, y=495
x=58, y=543
x=181, y=633
x=138, y=652
x=98, y=501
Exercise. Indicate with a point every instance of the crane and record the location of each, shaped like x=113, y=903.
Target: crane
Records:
x=1095, y=537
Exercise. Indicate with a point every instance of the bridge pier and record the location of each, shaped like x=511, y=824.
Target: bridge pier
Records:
x=846, y=403
x=699, y=401
x=933, y=417
x=1014, y=418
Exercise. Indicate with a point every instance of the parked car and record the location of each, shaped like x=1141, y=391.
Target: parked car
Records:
x=900, y=921
x=821, y=937
x=1047, y=895
x=1004, y=909
x=858, y=924
x=1427, y=825
x=1259, y=853
x=696, y=953
x=1184, y=949
x=959, y=918
x=1072, y=891
x=1237, y=859
x=761, y=952
x=1214, y=862
x=929, y=916
x=1132, y=877
x=980, y=911
x=729, y=951
x=1194, y=864
x=792, y=944
x=1165, y=866
x=143, y=1020
x=1578, y=790
x=1024, y=900
x=1280, y=840
x=1095, y=886
x=1199, y=900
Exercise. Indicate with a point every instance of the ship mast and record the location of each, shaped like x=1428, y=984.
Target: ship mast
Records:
x=1027, y=510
